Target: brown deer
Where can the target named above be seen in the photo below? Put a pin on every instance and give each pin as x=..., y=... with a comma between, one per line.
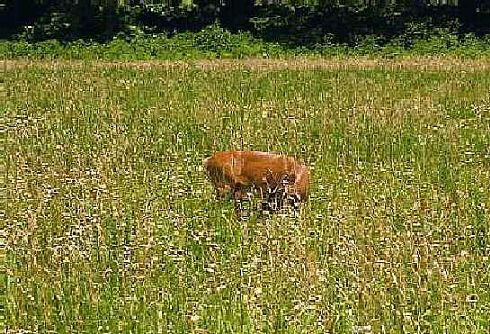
x=276, y=177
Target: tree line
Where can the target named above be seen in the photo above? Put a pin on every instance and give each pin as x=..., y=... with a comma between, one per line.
x=295, y=22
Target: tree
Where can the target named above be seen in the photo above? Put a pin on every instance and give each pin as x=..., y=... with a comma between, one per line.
x=236, y=14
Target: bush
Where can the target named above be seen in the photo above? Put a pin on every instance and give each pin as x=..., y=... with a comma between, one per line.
x=216, y=42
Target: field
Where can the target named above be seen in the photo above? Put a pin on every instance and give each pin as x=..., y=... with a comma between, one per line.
x=111, y=226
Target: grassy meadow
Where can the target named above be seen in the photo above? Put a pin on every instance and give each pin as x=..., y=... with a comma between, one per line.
x=111, y=226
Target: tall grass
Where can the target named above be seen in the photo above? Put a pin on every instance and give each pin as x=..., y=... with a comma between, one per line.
x=111, y=225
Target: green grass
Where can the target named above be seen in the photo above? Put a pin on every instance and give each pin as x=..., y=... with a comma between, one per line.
x=111, y=225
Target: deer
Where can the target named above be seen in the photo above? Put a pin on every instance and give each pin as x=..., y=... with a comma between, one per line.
x=277, y=178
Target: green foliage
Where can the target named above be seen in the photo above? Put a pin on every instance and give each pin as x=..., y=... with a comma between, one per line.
x=289, y=22
x=217, y=42
x=67, y=22
x=212, y=42
x=208, y=30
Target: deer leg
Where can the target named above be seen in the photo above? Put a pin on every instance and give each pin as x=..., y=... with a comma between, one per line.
x=294, y=200
x=237, y=197
x=240, y=195
x=279, y=194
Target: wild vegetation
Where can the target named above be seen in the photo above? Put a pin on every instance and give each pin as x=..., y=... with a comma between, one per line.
x=111, y=226
x=160, y=29
x=215, y=42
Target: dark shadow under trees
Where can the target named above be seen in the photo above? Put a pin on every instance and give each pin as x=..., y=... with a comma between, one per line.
x=306, y=26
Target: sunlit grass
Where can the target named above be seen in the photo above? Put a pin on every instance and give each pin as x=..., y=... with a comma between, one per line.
x=111, y=225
